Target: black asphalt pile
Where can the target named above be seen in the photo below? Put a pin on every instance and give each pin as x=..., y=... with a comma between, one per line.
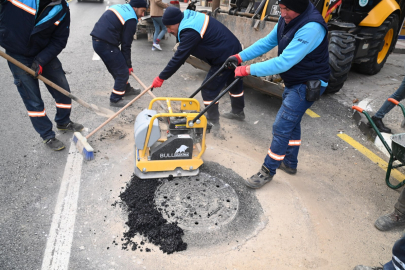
x=144, y=219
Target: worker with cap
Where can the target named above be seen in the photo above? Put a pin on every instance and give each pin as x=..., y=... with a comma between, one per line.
x=207, y=39
x=35, y=33
x=303, y=63
x=116, y=27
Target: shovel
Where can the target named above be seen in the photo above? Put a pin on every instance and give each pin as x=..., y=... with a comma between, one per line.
x=98, y=110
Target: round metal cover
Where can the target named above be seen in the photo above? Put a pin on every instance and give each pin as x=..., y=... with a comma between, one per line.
x=197, y=203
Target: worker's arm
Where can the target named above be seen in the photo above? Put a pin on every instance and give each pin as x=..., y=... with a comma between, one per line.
x=57, y=43
x=127, y=38
x=304, y=42
x=261, y=46
x=189, y=40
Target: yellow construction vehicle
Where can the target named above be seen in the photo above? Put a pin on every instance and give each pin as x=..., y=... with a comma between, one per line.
x=362, y=33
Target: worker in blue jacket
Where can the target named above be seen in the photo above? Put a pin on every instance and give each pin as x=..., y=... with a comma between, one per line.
x=116, y=27
x=209, y=40
x=303, y=63
x=34, y=33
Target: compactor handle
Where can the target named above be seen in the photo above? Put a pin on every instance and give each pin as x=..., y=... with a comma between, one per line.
x=357, y=108
x=396, y=102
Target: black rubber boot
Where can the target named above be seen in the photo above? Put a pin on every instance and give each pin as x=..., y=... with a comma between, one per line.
x=380, y=125
x=237, y=116
x=130, y=91
x=120, y=103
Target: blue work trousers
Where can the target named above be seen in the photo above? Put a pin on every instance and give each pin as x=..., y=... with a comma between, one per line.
x=28, y=87
x=287, y=128
x=214, y=87
x=160, y=29
x=398, y=256
x=115, y=62
x=387, y=106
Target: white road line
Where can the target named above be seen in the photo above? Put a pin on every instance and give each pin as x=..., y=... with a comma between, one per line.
x=58, y=246
x=96, y=57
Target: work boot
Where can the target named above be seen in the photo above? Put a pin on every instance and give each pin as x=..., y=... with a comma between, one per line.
x=74, y=127
x=130, y=91
x=260, y=179
x=362, y=267
x=120, y=103
x=54, y=144
x=390, y=221
x=238, y=116
x=380, y=125
x=287, y=169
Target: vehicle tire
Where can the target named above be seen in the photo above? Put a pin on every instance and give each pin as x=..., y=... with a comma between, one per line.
x=381, y=45
x=341, y=53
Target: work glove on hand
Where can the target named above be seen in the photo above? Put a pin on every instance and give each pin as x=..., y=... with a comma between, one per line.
x=37, y=68
x=233, y=61
x=241, y=71
x=130, y=70
x=157, y=82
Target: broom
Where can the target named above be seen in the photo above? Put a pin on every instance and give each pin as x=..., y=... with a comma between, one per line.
x=81, y=142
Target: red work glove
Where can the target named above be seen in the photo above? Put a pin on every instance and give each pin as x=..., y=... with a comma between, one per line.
x=37, y=68
x=130, y=70
x=241, y=71
x=157, y=82
x=233, y=61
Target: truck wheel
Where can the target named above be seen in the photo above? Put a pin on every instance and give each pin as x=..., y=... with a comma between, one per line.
x=381, y=45
x=341, y=52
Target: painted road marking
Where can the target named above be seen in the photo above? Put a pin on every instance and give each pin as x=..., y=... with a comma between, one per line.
x=312, y=113
x=373, y=157
x=59, y=243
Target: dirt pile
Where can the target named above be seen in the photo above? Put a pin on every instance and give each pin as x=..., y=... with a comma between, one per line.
x=145, y=219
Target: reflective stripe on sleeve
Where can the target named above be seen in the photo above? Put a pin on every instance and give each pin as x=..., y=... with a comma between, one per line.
x=294, y=143
x=118, y=92
x=275, y=156
x=37, y=114
x=205, y=25
x=237, y=95
x=63, y=106
x=118, y=15
x=23, y=6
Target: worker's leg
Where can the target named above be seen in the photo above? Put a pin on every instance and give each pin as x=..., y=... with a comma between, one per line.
x=211, y=91
x=116, y=65
x=285, y=126
x=237, y=94
x=54, y=72
x=398, y=256
x=28, y=88
x=291, y=155
x=400, y=205
x=387, y=106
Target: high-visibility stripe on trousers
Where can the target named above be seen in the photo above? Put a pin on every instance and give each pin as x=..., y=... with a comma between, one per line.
x=294, y=143
x=275, y=156
x=206, y=103
x=63, y=106
x=121, y=93
x=37, y=114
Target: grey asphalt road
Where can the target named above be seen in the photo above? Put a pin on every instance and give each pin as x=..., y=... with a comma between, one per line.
x=30, y=174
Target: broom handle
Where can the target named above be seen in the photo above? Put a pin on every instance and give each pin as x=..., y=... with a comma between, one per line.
x=150, y=92
x=45, y=80
x=117, y=113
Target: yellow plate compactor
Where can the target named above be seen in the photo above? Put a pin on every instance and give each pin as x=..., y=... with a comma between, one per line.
x=177, y=154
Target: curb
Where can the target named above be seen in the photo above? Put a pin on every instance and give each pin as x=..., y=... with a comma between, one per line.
x=361, y=122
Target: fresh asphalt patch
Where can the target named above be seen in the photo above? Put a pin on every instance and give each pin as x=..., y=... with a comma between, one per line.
x=221, y=219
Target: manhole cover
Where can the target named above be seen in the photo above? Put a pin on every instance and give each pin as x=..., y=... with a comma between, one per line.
x=197, y=203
